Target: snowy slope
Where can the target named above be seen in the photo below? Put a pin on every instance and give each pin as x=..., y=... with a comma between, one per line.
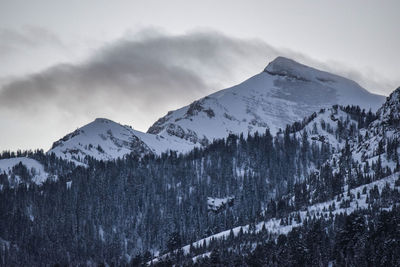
x=322, y=126
x=384, y=130
x=389, y=113
x=283, y=93
x=104, y=139
x=34, y=167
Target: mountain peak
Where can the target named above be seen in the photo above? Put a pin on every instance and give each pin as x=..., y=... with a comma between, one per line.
x=287, y=67
x=393, y=99
x=283, y=62
x=389, y=113
x=103, y=120
x=395, y=93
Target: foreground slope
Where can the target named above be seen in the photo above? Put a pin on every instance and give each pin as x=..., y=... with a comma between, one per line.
x=339, y=205
x=285, y=92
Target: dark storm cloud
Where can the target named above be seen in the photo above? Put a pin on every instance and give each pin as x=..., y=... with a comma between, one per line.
x=149, y=71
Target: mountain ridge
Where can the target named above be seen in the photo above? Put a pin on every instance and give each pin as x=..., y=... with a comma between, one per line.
x=284, y=92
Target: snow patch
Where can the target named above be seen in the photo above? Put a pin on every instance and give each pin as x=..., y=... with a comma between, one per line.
x=217, y=204
x=35, y=168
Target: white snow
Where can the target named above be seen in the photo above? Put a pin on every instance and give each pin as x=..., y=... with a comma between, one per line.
x=101, y=139
x=101, y=233
x=159, y=144
x=37, y=169
x=216, y=204
x=69, y=184
x=104, y=139
x=205, y=255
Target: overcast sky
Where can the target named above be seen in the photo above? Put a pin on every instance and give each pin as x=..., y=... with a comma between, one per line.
x=64, y=63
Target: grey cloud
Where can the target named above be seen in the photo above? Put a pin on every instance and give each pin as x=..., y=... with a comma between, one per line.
x=368, y=78
x=144, y=75
x=12, y=40
x=30, y=48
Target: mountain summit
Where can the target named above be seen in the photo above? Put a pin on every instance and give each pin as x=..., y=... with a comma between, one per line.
x=104, y=139
x=285, y=92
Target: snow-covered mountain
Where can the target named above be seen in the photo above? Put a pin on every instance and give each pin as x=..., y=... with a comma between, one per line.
x=104, y=139
x=285, y=92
